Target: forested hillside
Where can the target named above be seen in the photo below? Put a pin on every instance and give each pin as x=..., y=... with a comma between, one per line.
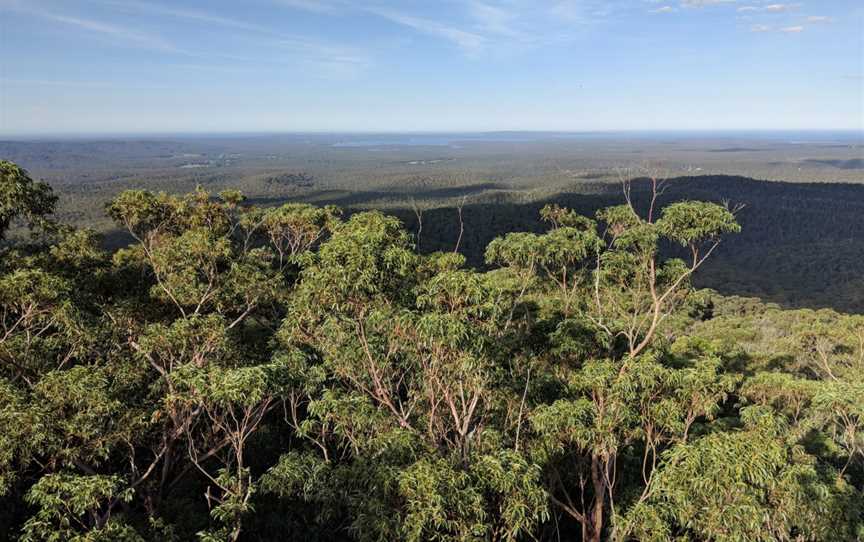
x=299, y=373
x=801, y=245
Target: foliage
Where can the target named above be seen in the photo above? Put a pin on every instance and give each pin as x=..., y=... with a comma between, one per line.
x=22, y=197
x=258, y=373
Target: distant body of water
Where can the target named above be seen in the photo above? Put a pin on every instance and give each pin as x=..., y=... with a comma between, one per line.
x=434, y=140
x=457, y=139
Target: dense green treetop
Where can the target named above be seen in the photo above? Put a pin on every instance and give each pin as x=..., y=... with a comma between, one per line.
x=22, y=197
x=282, y=373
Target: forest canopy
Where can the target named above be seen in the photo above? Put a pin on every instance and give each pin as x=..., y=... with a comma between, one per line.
x=279, y=373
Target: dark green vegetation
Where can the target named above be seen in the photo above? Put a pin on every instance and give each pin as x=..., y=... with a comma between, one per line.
x=289, y=373
x=801, y=246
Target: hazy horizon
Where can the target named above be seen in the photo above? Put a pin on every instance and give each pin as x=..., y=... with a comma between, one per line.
x=496, y=135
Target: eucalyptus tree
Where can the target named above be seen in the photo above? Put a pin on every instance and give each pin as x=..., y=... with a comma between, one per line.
x=396, y=354
x=613, y=403
x=218, y=272
x=790, y=466
x=820, y=393
x=743, y=485
x=399, y=390
x=23, y=198
x=61, y=418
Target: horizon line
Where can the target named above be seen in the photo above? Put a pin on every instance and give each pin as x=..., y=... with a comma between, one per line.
x=13, y=136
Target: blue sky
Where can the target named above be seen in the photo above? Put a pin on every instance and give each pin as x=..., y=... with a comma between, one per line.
x=135, y=66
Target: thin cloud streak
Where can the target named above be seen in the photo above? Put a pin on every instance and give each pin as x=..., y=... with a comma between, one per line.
x=191, y=15
x=315, y=6
x=780, y=8
x=118, y=33
x=770, y=8
x=469, y=42
x=489, y=26
x=705, y=3
x=325, y=58
x=331, y=58
x=82, y=84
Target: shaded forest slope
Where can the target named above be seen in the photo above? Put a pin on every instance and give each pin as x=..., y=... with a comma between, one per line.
x=802, y=245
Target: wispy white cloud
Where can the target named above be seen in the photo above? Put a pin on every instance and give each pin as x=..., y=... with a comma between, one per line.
x=705, y=3
x=780, y=8
x=263, y=45
x=770, y=8
x=319, y=58
x=528, y=22
x=480, y=27
x=580, y=11
x=470, y=42
x=81, y=84
x=187, y=14
x=761, y=15
x=524, y=23
x=495, y=19
x=318, y=6
x=329, y=59
x=117, y=33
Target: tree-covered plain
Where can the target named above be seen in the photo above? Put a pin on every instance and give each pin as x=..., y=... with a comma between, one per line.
x=291, y=372
x=803, y=232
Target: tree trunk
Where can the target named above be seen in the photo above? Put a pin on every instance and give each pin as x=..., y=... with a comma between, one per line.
x=598, y=480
